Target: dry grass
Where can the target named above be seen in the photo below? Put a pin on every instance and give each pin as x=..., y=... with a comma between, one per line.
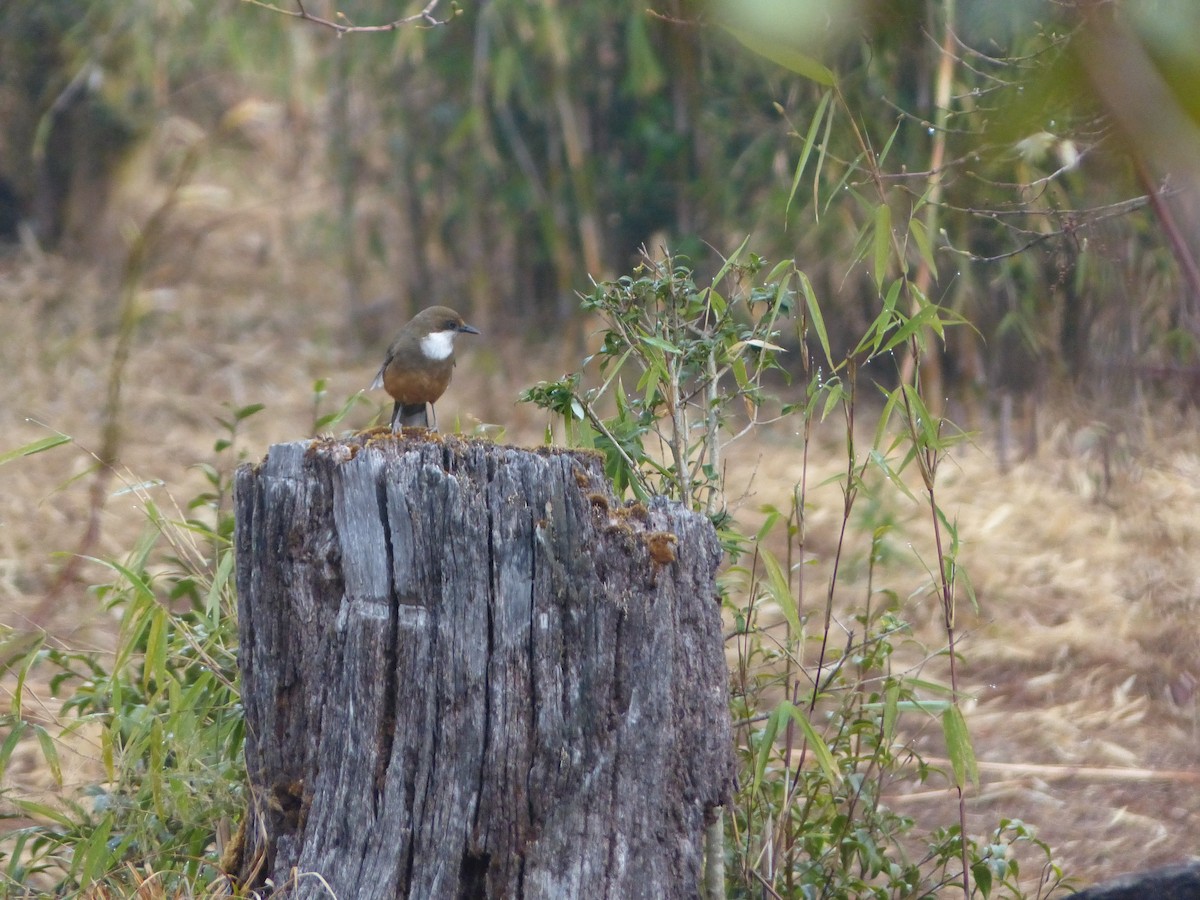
x=1084, y=654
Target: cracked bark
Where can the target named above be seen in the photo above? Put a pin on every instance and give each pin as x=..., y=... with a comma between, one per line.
x=467, y=672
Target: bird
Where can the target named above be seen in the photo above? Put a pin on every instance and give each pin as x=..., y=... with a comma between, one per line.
x=418, y=365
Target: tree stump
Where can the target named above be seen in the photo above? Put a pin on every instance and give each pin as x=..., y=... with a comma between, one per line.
x=1180, y=882
x=468, y=672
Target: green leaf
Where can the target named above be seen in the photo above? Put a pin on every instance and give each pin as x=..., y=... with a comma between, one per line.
x=982, y=873
x=893, y=294
x=155, y=664
x=783, y=55
x=22, y=649
x=658, y=343
x=882, y=243
x=17, y=647
x=835, y=393
x=780, y=591
x=810, y=140
x=912, y=327
x=772, y=515
x=965, y=579
x=766, y=743
x=740, y=376
x=49, y=753
x=212, y=603
x=958, y=748
x=16, y=730
x=891, y=711
x=880, y=461
x=849, y=170
x=93, y=857
x=818, y=746
x=140, y=586
x=729, y=263
x=821, y=165
x=883, y=154
x=815, y=317
x=46, y=443
x=42, y=811
x=921, y=238
x=645, y=72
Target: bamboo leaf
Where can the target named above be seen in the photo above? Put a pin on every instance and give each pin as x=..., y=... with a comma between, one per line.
x=212, y=603
x=885, y=418
x=815, y=317
x=140, y=586
x=921, y=238
x=821, y=165
x=93, y=857
x=39, y=446
x=810, y=140
x=659, y=343
x=154, y=666
x=891, y=711
x=834, y=394
x=882, y=243
x=925, y=316
x=783, y=55
x=818, y=746
x=883, y=154
x=49, y=753
x=880, y=462
x=15, y=733
x=959, y=749
x=779, y=589
x=731, y=261
x=42, y=811
x=766, y=743
x=893, y=294
x=27, y=648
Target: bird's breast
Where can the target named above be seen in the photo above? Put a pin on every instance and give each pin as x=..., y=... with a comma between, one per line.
x=417, y=381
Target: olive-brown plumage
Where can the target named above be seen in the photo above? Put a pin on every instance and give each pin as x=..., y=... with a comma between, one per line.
x=419, y=364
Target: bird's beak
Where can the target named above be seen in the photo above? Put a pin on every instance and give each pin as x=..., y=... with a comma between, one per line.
x=465, y=328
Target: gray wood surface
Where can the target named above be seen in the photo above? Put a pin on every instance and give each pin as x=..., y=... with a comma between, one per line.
x=467, y=672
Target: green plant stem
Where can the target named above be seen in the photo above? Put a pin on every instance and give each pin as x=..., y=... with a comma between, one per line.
x=854, y=474
x=946, y=586
x=597, y=423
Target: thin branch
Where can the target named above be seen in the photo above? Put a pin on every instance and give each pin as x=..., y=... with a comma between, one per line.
x=423, y=19
x=1062, y=772
x=1072, y=226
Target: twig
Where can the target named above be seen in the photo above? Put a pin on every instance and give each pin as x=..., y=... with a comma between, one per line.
x=1093, y=773
x=423, y=19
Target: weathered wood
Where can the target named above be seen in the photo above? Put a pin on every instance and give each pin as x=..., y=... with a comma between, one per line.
x=1181, y=882
x=468, y=673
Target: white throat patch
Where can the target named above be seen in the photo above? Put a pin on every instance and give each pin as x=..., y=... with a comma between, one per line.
x=438, y=344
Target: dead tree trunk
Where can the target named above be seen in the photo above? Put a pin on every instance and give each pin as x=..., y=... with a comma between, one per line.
x=467, y=672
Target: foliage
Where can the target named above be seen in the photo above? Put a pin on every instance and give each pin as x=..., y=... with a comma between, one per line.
x=163, y=710
x=820, y=726
x=694, y=353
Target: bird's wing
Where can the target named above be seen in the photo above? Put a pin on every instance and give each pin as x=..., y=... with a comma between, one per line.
x=378, y=382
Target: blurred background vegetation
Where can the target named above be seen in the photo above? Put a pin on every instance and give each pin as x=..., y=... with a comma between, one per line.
x=493, y=161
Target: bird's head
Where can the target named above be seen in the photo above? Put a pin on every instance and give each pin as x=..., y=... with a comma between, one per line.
x=436, y=329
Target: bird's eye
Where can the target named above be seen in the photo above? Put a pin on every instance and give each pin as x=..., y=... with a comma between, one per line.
x=451, y=325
